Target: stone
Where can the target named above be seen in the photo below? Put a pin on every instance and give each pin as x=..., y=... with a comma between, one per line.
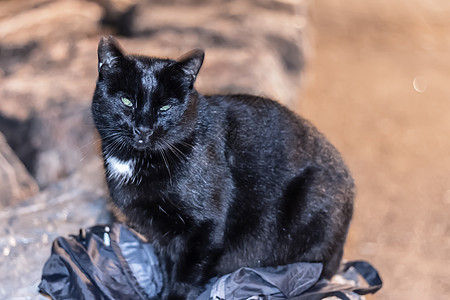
x=16, y=184
x=251, y=46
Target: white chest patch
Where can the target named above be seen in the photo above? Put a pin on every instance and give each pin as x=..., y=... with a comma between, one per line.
x=119, y=169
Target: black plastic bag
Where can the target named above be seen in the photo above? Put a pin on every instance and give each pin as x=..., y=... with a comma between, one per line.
x=114, y=262
x=103, y=262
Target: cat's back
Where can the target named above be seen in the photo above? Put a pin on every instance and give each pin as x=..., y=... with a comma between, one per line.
x=267, y=128
x=244, y=106
x=274, y=145
x=254, y=114
x=269, y=141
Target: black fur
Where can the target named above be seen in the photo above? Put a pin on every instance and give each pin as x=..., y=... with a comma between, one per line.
x=216, y=182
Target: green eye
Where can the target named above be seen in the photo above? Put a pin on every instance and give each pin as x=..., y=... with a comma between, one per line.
x=165, y=107
x=126, y=102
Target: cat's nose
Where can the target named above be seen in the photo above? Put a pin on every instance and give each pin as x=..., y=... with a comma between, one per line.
x=143, y=132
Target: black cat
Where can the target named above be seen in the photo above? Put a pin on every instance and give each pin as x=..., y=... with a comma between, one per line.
x=215, y=182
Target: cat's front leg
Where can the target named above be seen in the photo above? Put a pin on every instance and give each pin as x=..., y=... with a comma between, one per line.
x=191, y=273
x=193, y=267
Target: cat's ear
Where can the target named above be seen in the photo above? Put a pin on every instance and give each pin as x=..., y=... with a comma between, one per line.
x=191, y=62
x=109, y=53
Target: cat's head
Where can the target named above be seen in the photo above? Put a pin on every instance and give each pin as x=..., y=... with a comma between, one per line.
x=144, y=103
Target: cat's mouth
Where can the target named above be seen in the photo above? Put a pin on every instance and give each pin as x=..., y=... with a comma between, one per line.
x=146, y=145
x=142, y=144
x=142, y=139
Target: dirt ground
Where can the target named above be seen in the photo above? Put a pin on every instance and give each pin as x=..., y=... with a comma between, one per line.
x=378, y=85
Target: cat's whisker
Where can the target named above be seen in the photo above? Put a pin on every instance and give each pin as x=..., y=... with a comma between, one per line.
x=88, y=148
x=181, y=155
x=137, y=178
x=182, y=220
x=90, y=144
x=188, y=145
x=114, y=145
x=166, y=164
x=123, y=144
x=171, y=148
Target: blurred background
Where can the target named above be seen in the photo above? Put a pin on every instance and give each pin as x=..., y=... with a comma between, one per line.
x=372, y=75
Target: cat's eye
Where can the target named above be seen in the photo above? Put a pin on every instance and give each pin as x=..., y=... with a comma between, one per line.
x=126, y=102
x=165, y=107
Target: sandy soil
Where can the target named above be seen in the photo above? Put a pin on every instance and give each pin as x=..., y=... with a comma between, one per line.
x=377, y=84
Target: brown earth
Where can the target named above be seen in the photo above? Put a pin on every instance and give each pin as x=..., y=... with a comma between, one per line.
x=377, y=84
